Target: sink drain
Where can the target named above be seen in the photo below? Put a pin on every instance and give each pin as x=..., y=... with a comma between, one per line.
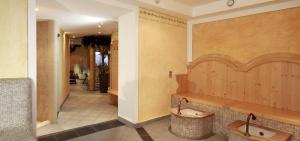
x=261, y=133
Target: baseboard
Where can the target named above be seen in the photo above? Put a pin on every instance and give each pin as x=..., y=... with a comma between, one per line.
x=127, y=123
x=64, y=101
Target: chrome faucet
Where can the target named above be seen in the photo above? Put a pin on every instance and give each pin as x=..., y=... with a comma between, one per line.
x=248, y=122
x=179, y=104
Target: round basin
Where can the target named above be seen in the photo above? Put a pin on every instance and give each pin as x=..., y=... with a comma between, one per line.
x=191, y=124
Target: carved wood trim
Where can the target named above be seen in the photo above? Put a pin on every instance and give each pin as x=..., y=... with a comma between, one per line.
x=245, y=67
x=218, y=58
x=161, y=18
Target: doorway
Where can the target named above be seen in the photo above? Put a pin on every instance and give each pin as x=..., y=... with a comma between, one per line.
x=67, y=69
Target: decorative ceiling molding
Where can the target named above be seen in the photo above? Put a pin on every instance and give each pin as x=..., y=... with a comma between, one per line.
x=161, y=18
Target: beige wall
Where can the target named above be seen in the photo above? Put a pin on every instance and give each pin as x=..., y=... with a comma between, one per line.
x=45, y=71
x=65, y=91
x=162, y=48
x=79, y=56
x=114, y=63
x=247, y=37
x=13, y=42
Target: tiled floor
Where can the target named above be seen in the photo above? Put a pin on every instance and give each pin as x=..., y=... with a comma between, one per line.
x=80, y=109
x=88, y=108
x=81, y=131
x=121, y=133
x=154, y=131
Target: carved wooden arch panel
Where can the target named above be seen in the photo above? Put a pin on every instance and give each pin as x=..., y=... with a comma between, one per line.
x=238, y=66
x=271, y=80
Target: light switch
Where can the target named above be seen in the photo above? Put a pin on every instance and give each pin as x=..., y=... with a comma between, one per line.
x=170, y=74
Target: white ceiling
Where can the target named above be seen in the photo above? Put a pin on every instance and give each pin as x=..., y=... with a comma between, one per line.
x=194, y=3
x=81, y=17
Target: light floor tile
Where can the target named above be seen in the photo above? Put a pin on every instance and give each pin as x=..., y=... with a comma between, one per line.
x=80, y=109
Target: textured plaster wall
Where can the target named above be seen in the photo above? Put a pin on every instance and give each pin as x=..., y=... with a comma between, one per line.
x=162, y=48
x=46, y=71
x=13, y=42
x=247, y=37
x=114, y=62
x=79, y=56
x=65, y=69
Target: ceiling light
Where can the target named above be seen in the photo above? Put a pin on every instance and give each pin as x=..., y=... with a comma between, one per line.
x=99, y=25
x=73, y=36
x=90, y=19
x=36, y=9
x=99, y=32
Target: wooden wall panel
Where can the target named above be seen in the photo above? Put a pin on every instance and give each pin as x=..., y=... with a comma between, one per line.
x=294, y=86
x=271, y=80
x=235, y=84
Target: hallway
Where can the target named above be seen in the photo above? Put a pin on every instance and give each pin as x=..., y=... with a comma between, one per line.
x=80, y=109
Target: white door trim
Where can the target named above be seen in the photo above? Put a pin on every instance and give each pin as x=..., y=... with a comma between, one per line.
x=32, y=56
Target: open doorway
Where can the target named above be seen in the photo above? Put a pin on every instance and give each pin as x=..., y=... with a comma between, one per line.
x=75, y=68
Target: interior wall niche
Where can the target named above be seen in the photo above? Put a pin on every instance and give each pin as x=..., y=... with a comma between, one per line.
x=271, y=80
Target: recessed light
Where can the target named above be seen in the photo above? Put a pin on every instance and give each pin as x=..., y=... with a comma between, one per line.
x=99, y=25
x=36, y=9
x=73, y=36
x=99, y=32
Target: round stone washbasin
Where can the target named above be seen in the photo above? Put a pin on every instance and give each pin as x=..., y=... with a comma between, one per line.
x=191, y=124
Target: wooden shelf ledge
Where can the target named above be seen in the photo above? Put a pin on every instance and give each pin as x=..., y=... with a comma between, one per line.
x=113, y=92
x=285, y=116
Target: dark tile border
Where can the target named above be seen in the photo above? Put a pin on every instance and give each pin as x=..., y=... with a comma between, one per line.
x=144, y=134
x=81, y=131
x=141, y=124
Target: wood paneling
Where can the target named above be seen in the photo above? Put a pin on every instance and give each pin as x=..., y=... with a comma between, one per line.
x=271, y=80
